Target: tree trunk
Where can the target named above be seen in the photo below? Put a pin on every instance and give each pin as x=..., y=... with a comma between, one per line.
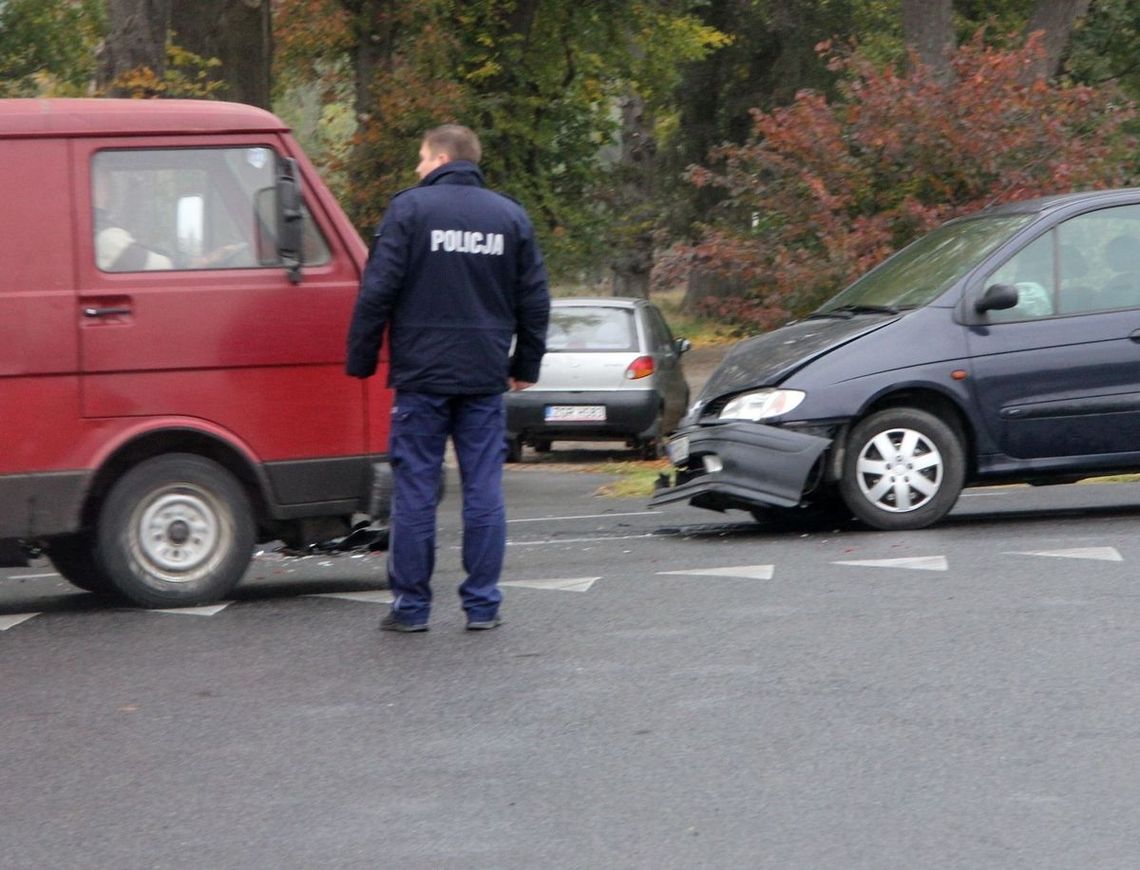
x=236, y=32
x=136, y=38
x=1056, y=18
x=704, y=284
x=633, y=255
x=928, y=30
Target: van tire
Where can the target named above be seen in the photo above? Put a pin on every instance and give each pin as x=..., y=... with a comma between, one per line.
x=73, y=556
x=175, y=530
x=926, y=467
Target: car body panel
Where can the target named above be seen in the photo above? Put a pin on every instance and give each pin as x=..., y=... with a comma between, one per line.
x=1034, y=394
x=99, y=369
x=758, y=464
x=590, y=347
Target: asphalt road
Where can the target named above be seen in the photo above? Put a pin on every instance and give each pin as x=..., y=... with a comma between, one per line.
x=673, y=689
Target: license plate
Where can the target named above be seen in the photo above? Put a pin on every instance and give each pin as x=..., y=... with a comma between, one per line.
x=678, y=450
x=575, y=414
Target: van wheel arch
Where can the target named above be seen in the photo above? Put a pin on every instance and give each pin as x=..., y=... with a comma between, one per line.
x=155, y=444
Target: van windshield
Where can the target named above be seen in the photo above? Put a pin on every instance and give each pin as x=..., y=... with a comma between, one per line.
x=921, y=271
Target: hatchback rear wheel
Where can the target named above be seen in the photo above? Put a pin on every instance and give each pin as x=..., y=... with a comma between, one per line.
x=904, y=469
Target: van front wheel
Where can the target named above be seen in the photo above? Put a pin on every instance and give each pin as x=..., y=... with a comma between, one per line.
x=73, y=557
x=175, y=530
x=903, y=469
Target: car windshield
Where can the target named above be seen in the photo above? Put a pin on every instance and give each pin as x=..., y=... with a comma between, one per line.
x=920, y=272
x=596, y=328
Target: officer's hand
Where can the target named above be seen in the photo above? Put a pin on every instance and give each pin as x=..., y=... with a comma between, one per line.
x=520, y=385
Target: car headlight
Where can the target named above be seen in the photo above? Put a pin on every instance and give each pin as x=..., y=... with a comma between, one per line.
x=761, y=405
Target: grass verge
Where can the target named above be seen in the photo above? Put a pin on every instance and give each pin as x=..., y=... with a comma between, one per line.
x=634, y=479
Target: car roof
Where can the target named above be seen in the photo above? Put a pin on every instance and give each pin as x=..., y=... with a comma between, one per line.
x=102, y=117
x=1043, y=204
x=599, y=302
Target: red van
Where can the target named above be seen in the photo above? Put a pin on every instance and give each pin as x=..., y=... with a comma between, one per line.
x=175, y=288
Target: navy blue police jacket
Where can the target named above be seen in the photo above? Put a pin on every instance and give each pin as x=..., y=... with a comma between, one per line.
x=454, y=274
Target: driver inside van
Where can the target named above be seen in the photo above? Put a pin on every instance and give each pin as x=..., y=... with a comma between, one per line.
x=116, y=249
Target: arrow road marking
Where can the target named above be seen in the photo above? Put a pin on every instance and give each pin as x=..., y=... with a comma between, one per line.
x=572, y=584
x=918, y=563
x=752, y=572
x=14, y=619
x=1104, y=554
x=204, y=610
x=378, y=596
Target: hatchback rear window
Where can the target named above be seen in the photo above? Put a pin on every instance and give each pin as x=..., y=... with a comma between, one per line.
x=591, y=329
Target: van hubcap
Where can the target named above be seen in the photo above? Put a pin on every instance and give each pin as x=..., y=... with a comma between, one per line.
x=178, y=531
x=899, y=470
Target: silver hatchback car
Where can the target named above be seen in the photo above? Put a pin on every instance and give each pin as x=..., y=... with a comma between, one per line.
x=612, y=371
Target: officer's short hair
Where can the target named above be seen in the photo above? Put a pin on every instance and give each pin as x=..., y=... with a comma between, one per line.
x=454, y=140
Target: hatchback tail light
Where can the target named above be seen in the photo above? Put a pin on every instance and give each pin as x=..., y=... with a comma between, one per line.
x=642, y=367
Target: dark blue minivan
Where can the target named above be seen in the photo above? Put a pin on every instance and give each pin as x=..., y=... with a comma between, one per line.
x=1000, y=347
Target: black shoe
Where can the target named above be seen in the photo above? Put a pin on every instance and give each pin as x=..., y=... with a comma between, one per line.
x=391, y=623
x=484, y=624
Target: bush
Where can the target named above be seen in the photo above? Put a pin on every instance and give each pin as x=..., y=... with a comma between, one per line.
x=823, y=190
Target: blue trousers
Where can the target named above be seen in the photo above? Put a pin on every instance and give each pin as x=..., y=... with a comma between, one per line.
x=421, y=424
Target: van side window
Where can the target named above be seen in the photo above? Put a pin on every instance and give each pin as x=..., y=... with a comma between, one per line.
x=189, y=208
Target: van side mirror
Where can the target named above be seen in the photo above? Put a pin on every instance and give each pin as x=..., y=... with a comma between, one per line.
x=998, y=297
x=681, y=345
x=289, y=218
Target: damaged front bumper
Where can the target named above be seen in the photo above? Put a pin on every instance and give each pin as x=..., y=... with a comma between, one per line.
x=742, y=465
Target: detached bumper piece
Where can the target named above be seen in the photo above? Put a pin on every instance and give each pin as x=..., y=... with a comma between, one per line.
x=740, y=465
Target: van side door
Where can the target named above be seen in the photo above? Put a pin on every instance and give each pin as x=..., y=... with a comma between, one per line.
x=186, y=313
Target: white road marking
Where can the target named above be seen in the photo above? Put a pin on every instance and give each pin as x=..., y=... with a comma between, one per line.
x=1104, y=554
x=579, y=540
x=583, y=517
x=204, y=610
x=917, y=563
x=572, y=584
x=14, y=619
x=751, y=572
x=33, y=576
x=377, y=596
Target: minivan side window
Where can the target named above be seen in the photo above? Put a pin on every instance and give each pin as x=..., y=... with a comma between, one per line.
x=1032, y=271
x=1089, y=263
x=1100, y=257
x=189, y=208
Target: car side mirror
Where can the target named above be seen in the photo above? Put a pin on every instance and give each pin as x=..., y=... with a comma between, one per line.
x=998, y=297
x=682, y=345
x=290, y=218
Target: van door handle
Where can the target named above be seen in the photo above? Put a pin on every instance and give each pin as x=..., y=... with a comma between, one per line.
x=1134, y=335
x=106, y=311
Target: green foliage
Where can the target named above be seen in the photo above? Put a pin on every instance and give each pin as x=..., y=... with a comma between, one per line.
x=47, y=47
x=825, y=188
x=187, y=76
x=1105, y=47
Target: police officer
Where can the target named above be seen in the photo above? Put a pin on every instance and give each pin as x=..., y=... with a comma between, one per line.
x=455, y=274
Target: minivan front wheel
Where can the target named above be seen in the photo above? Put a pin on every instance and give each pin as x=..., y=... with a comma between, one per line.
x=175, y=530
x=903, y=469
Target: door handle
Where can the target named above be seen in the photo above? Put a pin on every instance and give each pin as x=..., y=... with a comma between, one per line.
x=1134, y=335
x=106, y=310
